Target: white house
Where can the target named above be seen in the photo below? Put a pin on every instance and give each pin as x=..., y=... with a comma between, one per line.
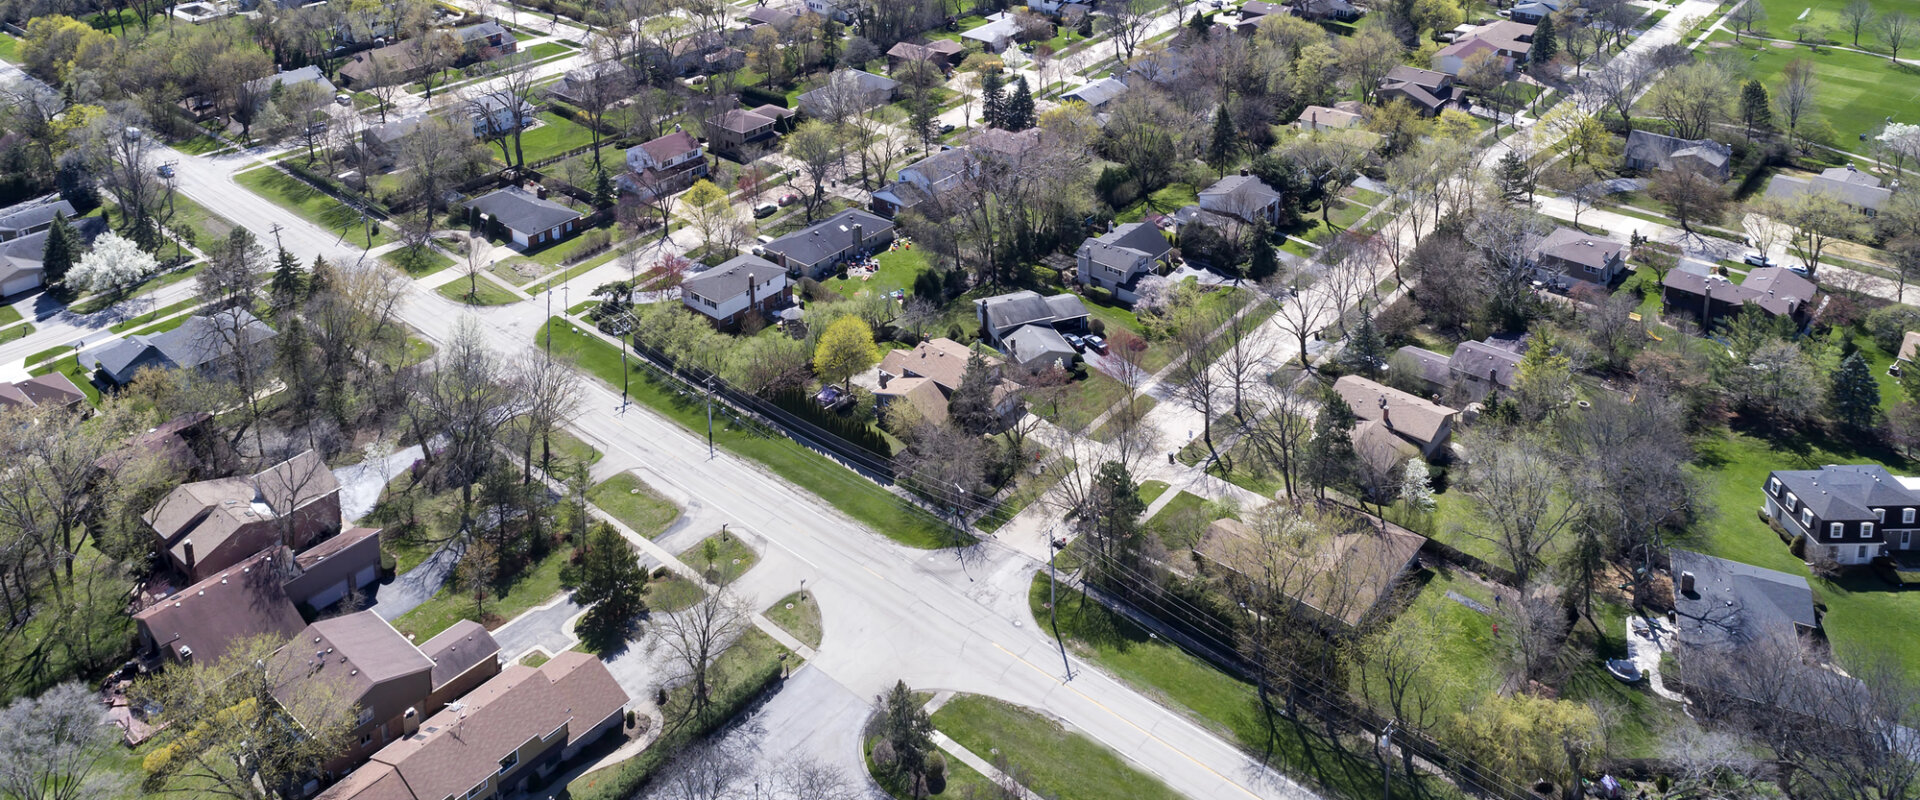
x=997, y=34
x=493, y=116
x=829, y=8
x=726, y=293
x=663, y=166
x=1242, y=197
x=1850, y=186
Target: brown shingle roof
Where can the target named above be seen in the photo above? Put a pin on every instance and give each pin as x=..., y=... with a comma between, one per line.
x=1413, y=417
x=943, y=360
x=585, y=689
x=1349, y=572
x=456, y=649
x=319, y=552
x=358, y=650
x=209, y=616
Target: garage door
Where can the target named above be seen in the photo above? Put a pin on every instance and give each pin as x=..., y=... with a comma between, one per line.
x=329, y=596
x=24, y=283
x=367, y=577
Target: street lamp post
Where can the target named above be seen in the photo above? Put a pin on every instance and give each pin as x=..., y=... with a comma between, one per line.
x=709, y=416
x=1053, y=602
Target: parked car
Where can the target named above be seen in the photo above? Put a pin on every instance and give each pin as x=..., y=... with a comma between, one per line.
x=765, y=210
x=1096, y=343
x=1759, y=260
x=1800, y=270
x=1079, y=344
x=166, y=170
x=946, y=128
x=343, y=99
x=789, y=199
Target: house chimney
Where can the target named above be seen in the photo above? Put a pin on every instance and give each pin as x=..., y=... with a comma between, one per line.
x=859, y=235
x=410, y=722
x=188, y=546
x=1686, y=583
x=1386, y=414
x=1244, y=172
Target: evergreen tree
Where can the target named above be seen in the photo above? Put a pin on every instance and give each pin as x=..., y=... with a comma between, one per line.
x=971, y=406
x=606, y=575
x=1514, y=178
x=287, y=280
x=1220, y=150
x=993, y=97
x=903, y=727
x=1019, y=113
x=1202, y=25
x=61, y=251
x=1264, y=263
x=1756, y=108
x=321, y=281
x=1545, y=377
x=1366, y=352
x=1111, y=521
x=1854, y=398
x=1330, y=457
x=1545, y=45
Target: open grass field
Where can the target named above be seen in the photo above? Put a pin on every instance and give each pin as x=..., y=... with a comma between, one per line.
x=1059, y=763
x=1782, y=14
x=627, y=498
x=855, y=496
x=310, y=203
x=1856, y=93
x=797, y=614
x=555, y=135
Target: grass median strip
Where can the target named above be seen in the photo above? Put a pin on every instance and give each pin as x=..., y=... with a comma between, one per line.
x=303, y=199
x=852, y=494
x=135, y=322
x=15, y=333
x=797, y=615
x=1057, y=762
x=627, y=498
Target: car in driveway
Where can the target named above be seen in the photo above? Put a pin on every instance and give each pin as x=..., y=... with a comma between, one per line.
x=1096, y=343
x=1079, y=344
x=1758, y=260
x=789, y=199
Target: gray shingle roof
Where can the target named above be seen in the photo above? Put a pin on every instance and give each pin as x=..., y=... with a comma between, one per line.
x=1139, y=236
x=1846, y=492
x=732, y=278
x=1733, y=604
x=197, y=341
x=1009, y=311
x=1483, y=361
x=1100, y=92
x=1431, y=366
x=829, y=237
x=1580, y=248
x=28, y=216
x=522, y=212
x=1038, y=343
x=1660, y=149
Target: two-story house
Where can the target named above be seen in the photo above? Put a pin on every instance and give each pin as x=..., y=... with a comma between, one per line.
x=1850, y=513
x=1773, y=291
x=598, y=80
x=1577, y=256
x=209, y=526
x=663, y=166
x=744, y=284
x=494, y=116
x=925, y=180
x=1117, y=259
x=487, y=40
x=730, y=133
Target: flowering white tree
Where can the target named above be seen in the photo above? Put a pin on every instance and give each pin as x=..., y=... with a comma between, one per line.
x=1902, y=141
x=114, y=264
x=1415, y=486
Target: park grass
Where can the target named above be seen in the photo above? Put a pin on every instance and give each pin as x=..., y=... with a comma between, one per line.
x=1782, y=14
x=722, y=557
x=1223, y=703
x=853, y=495
x=898, y=268
x=627, y=498
x=508, y=597
x=416, y=263
x=488, y=293
x=1058, y=763
x=1857, y=92
x=1083, y=402
x=1151, y=490
x=799, y=616
x=70, y=367
x=309, y=203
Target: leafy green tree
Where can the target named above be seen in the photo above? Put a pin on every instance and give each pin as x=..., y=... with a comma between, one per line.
x=1366, y=350
x=1019, y=113
x=1201, y=25
x=1110, y=522
x=905, y=739
x=1545, y=44
x=1330, y=458
x=846, y=347
x=1220, y=150
x=1854, y=398
x=1264, y=262
x=971, y=406
x=1756, y=108
x=606, y=575
x=63, y=243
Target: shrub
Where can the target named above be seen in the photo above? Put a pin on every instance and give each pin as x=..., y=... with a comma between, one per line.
x=762, y=96
x=1888, y=324
x=1798, y=548
x=1099, y=327
x=936, y=774
x=1100, y=295
x=883, y=756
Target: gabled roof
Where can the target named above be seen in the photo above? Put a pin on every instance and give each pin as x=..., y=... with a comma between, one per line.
x=1009, y=311
x=356, y=651
x=1505, y=34
x=1066, y=307
x=829, y=237
x=740, y=120
x=211, y=512
x=1776, y=290
x=33, y=214
x=294, y=77
x=670, y=146
x=1576, y=247
x=1423, y=78
x=1661, y=149
x=522, y=212
x=1098, y=93
x=1734, y=604
x=1349, y=572
x=1432, y=366
x=456, y=649
x=1323, y=117
x=1241, y=195
x=333, y=546
x=24, y=254
x=731, y=279
x=767, y=15
x=1124, y=259
x=1850, y=186
x=1908, y=343
x=51, y=389
x=1138, y=236
x=1034, y=342
x=1413, y=417
x=396, y=128
x=943, y=361
x=1485, y=362
x=484, y=30
x=208, y=617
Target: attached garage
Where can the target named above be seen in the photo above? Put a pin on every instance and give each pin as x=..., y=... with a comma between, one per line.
x=19, y=283
x=336, y=566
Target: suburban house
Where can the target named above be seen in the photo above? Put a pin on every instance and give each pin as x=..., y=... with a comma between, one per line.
x=997, y=35
x=1116, y=260
x=1850, y=513
x=1507, y=40
x=1357, y=568
x=1909, y=345
x=1316, y=10
x=742, y=285
x=1475, y=370
x=925, y=180
x=52, y=390
x=601, y=79
x=32, y=216
x=663, y=166
x=780, y=19
x=690, y=54
x=529, y=219
x=1648, y=151
x=204, y=341
x=382, y=141
x=848, y=92
x=494, y=116
x=263, y=87
x=1849, y=185
x=814, y=251
x=520, y=724
x=1242, y=197
x=1532, y=11
x=1774, y=291
x=292, y=503
x=830, y=9
x=487, y=40
x=395, y=63
x=22, y=259
x=202, y=621
x=942, y=53
x=1430, y=92
x=1321, y=118
x=1251, y=13
x=393, y=683
x=1027, y=327
x=730, y=132
x=336, y=567
x=1097, y=93
x=1724, y=606
x=1392, y=421
x=1580, y=256
x=926, y=377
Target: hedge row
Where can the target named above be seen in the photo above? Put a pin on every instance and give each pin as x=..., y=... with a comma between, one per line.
x=762, y=96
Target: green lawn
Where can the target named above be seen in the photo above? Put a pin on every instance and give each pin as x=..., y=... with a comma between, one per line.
x=1059, y=763
x=1028, y=488
x=43, y=355
x=488, y=294
x=1151, y=491
x=534, y=586
x=1223, y=703
x=851, y=494
x=962, y=781
x=1782, y=14
x=1165, y=201
x=1468, y=662
x=798, y=615
x=1108, y=429
x=416, y=263
x=672, y=593
x=9, y=48
x=15, y=333
x=556, y=135
x=721, y=557
x=1180, y=523
x=1856, y=93
x=70, y=367
x=627, y=498
x=310, y=203
x=897, y=270
x=135, y=322
x=200, y=144
x=1084, y=401
x=9, y=315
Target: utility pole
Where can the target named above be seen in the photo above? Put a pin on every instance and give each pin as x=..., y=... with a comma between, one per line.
x=1386, y=760
x=1053, y=602
x=275, y=230
x=709, y=417
x=549, y=322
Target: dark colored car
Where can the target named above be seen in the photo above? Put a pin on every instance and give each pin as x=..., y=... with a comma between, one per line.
x=764, y=211
x=1079, y=344
x=1096, y=343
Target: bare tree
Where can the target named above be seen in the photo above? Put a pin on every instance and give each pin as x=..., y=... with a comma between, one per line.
x=549, y=388
x=1896, y=29
x=1856, y=16
x=1523, y=499
x=1279, y=440
x=1127, y=22
x=1302, y=313
x=1795, y=98
x=1193, y=380
x=695, y=636
x=466, y=400
x=51, y=747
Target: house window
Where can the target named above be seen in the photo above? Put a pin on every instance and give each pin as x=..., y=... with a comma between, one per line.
x=366, y=739
x=366, y=716
x=1835, y=530
x=1906, y=516
x=1906, y=539
x=1793, y=501
x=1880, y=514
x=1773, y=486
x=1866, y=530
x=1806, y=518
x=1863, y=552
x=508, y=762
